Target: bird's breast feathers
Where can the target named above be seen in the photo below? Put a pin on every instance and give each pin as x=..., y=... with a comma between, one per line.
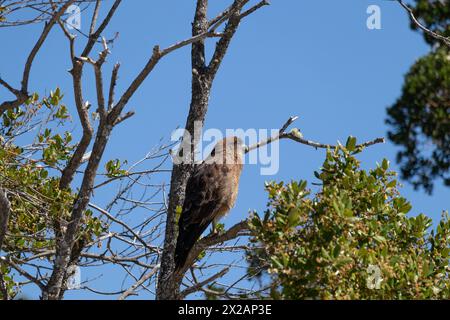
x=220, y=184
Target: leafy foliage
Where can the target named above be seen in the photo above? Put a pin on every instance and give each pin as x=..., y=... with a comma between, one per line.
x=420, y=121
x=39, y=208
x=114, y=169
x=434, y=15
x=328, y=245
x=420, y=118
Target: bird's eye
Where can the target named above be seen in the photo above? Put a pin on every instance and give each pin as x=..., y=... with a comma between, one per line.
x=213, y=152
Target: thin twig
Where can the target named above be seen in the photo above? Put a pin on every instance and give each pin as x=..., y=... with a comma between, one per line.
x=296, y=136
x=431, y=33
x=139, y=283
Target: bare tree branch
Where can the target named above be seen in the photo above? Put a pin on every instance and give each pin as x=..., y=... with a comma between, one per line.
x=254, y=8
x=22, y=272
x=211, y=240
x=296, y=136
x=94, y=17
x=93, y=37
x=200, y=285
x=130, y=291
x=31, y=11
x=444, y=40
x=22, y=94
x=136, y=236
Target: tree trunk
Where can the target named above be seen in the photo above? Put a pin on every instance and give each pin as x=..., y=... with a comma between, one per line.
x=169, y=284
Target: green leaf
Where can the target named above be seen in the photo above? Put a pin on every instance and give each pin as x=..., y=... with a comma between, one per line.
x=351, y=144
x=293, y=217
x=379, y=238
x=392, y=184
x=343, y=261
x=336, y=251
x=44, y=174
x=385, y=164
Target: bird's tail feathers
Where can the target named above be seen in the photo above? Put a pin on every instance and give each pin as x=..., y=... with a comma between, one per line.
x=187, y=237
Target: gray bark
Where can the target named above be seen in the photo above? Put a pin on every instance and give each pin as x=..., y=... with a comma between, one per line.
x=202, y=79
x=168, y=287
x=5, y=209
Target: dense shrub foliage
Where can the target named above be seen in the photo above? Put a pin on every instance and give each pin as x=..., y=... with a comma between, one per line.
x=352, y=239
x=29, y=176
x=420, y=118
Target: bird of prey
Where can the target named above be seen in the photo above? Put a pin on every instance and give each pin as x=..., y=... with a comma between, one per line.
x=211, y=192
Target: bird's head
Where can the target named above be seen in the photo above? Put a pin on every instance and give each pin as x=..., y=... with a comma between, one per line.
x=227, y=151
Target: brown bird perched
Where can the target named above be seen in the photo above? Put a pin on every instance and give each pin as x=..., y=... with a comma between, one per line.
x=211, y=192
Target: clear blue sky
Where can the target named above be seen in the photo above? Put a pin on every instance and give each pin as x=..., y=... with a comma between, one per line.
x=314, y=59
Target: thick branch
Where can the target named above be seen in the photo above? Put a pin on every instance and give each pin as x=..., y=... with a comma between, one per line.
x=223, y=44
x=93, y=37
x=112, y=86
x=254, y=8
x=88, y=131
x=211, y=240
x=94, y=17
x=5, y=210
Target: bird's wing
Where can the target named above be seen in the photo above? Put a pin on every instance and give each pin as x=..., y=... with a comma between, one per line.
x=201, y=204
x=202, y=199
